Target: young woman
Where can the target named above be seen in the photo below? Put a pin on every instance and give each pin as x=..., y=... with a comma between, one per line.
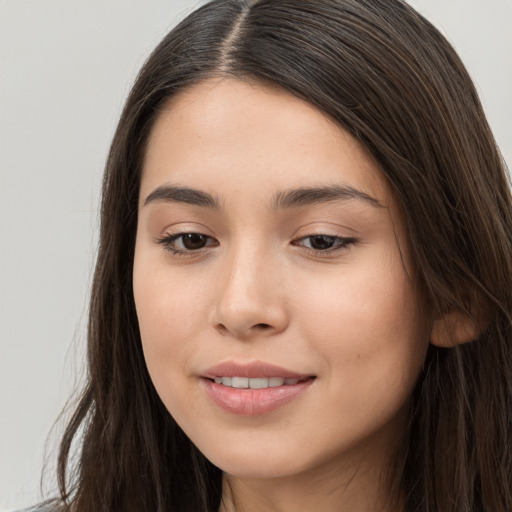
x=303, y=293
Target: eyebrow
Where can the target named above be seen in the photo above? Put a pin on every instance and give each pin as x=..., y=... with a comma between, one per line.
x=282, y=200
x=176, y=194
x=317, y=195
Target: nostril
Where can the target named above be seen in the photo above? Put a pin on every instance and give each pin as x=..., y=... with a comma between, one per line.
x=262, y=326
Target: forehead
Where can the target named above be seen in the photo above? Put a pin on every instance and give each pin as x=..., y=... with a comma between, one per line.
x=221, y=132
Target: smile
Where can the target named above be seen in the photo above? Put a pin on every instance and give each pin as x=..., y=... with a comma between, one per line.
x=253, y=388
x=256, y=382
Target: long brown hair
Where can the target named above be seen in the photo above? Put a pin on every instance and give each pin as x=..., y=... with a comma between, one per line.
x=387, y=76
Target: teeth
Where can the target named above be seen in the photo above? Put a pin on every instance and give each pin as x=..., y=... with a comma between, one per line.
x=258, y=383
x=255, y=383
x=239, y=382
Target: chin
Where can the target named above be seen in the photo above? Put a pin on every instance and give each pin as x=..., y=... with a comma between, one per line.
x=257, y=463
x=250, y=470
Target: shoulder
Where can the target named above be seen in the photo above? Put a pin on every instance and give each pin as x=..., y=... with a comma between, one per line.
x=39, y=508
x=32, y=509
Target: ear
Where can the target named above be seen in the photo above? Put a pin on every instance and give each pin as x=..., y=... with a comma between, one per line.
x=454, y=328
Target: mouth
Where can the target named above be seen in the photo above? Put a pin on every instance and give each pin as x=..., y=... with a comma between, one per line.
x=255, y=388
x=257, y=371
x=257, y=382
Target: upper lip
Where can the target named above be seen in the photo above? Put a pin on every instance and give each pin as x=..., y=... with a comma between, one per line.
x=252, y=369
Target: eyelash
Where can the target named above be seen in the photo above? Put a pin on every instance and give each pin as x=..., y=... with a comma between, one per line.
x=340, y=243
x=168, y=243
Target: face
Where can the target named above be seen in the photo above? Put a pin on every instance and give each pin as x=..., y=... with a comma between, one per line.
x=275, y=297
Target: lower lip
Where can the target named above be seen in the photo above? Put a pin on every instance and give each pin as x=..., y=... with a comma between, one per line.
x=253, y=402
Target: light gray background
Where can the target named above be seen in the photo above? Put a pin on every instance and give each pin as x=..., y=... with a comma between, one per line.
x=65, y=69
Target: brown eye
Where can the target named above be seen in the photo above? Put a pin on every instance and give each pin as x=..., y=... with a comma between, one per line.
x=324, y=243
x=193, y=241
x=321, y=242
x=186, y=243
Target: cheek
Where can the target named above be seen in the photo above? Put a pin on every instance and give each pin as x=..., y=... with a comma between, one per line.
x=165, y=313
x=170, y=312
x=365, y=326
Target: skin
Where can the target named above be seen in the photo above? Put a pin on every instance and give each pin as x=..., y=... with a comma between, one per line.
x=259, y=291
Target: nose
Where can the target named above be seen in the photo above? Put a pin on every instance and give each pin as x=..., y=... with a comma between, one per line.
x=250, y=300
